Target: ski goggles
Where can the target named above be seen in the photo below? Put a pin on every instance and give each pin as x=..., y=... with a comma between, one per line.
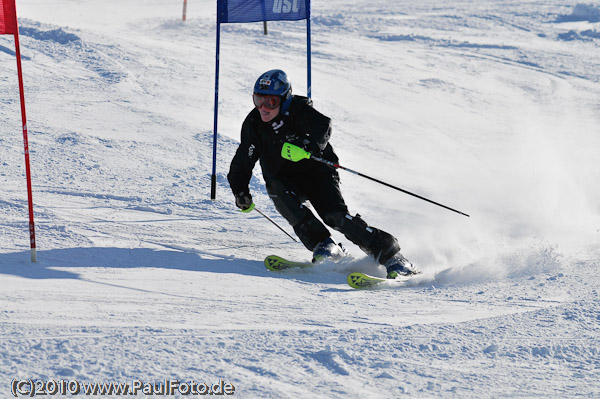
x=268, y=101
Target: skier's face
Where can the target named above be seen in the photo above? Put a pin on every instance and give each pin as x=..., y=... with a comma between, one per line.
x=268, y=114
x=268, y=106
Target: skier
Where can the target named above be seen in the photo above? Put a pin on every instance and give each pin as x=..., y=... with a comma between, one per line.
x=280, y=117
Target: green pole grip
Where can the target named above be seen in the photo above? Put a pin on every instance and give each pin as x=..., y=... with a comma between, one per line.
x=294, y=153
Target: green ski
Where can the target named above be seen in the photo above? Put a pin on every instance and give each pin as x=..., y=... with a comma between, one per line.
x=363, y=281
x=277, y=263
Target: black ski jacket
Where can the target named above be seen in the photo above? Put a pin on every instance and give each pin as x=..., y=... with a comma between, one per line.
x=302, y=125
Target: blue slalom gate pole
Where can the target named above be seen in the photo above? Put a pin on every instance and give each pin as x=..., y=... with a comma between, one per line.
x=309, y=82
x=213, y=179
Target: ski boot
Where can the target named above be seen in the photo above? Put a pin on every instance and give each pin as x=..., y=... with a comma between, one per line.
x=398, y=265
x=328, y=250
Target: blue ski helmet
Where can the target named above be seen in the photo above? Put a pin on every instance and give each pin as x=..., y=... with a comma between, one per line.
x=275, y=83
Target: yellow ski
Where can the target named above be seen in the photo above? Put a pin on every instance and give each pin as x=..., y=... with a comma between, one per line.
x=277, y=263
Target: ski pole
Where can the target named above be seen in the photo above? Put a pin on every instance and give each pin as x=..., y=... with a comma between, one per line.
x=252, y=207
x=295, y=154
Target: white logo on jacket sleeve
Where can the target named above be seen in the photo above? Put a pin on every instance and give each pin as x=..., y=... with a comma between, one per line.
x=251, y=150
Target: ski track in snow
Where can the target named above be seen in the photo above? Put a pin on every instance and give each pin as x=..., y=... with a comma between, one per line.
x=488, y=107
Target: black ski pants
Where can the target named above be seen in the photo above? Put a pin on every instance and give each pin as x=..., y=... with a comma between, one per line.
x=289, y=193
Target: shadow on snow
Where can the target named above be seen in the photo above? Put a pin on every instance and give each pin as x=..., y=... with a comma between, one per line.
x=18, y=264
x=54, y=264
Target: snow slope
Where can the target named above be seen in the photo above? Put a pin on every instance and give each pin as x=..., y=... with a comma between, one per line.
x=488, y=107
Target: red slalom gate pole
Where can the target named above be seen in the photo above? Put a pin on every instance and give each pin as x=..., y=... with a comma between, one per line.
x=26, y=148
x=184, y=9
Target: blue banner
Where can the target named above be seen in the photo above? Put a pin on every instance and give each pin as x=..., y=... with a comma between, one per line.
x=262, y=10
